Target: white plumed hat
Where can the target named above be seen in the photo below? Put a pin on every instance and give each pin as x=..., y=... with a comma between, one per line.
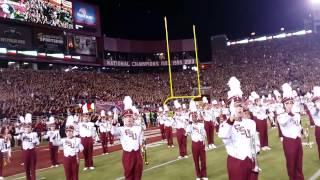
x=85, y=109
x=193, y=106
x=28, y=118
x=127, y=102
x=205, y=100
x=177, y=105
x=103, y=113
x=287, y=93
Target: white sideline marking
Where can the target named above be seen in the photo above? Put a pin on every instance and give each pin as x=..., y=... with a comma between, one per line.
x=155, y=144
x=166, y=163
x=315, y=175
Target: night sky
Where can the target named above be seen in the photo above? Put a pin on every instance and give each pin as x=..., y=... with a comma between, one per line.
x=143, y=19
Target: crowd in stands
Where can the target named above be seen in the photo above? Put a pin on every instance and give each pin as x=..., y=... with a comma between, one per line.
x=260, y=66
x=265, y=66
x=52, y=92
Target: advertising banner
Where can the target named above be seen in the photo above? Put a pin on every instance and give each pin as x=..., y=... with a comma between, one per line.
x=15, y=37
x=84, y=45
x=49, y=41
x=116, y=63
x=84, y=14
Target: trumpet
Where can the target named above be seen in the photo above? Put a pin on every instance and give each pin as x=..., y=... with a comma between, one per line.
x=306, y=136
x=256, y=167
x=144, y=153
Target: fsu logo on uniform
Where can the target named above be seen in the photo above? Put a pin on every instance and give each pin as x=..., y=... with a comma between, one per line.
x=26, y=138
x=242, y=130
x=130, y=134
x=69, y=143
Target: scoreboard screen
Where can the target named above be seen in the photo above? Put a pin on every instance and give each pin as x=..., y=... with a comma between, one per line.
x=57, y=13
x=64, y=14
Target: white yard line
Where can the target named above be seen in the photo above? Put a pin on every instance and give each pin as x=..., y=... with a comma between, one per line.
x=155, y=144
x=315, y=176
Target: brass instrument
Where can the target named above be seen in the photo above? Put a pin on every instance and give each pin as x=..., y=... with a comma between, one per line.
x=307, y=137
x=254, y=154
x=144, y=153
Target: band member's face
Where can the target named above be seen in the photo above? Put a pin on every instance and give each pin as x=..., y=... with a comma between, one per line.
x=28, y=129
x=86, y=118
x=194, y=118
x=288, y=106
x=69, y=133
x=246, y=114
x=52, y=127
x=238, y=110
x=128, y=121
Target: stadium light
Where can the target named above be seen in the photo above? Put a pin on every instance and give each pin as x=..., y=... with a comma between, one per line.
x=309, y=31
x=60, y=56
x=184, y=67
x=42, y=54
x=28, y=53
x=3, y=50
x=76, y=57
x=244, y=41
x=282, y=29
x=253, y=33
x=299, y=33
x=261, y=38
x=315, y=2
x=67, y=57
x=279, y=36
x=11, y=52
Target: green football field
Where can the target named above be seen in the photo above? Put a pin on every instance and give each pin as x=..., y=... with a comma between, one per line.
x=164, y=164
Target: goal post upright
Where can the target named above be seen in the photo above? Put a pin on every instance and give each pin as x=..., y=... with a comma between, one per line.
x=172, y=96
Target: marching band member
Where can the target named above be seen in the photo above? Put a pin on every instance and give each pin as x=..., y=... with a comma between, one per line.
x=279, y=110
x=29, y=142
x=76, y=119
x=308, y=105
x=131, y=138
x=103, y=126
x=315, y=113
x=168, y=125
x=19, y=129
x=209, y=121
x=161, y=123
x=239, y=136
x=271, y=111
x=5, y=149
x=259, y=113
x=181, y=124
x=71, y=151
x=290, y=126
x=87, y=133
x=54, y=138
x=223, y=114
x=198, y=136
x=110, y=122
x=216, y=113
x=138, y=121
